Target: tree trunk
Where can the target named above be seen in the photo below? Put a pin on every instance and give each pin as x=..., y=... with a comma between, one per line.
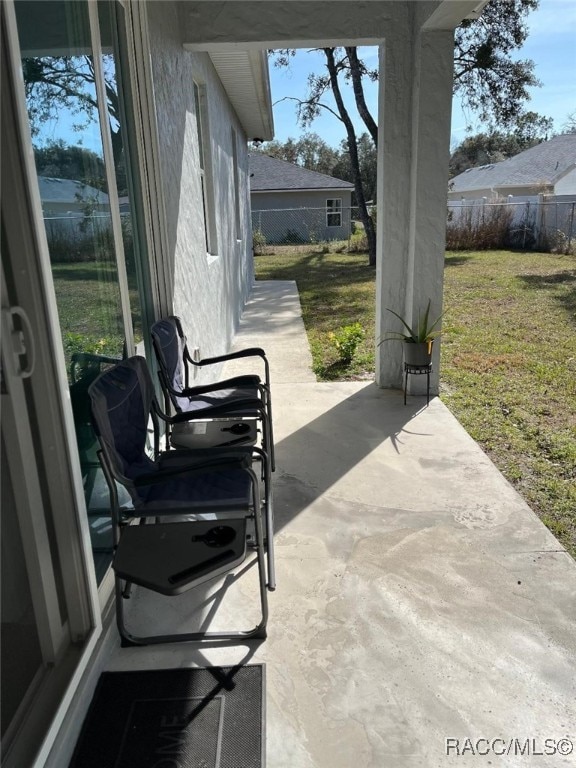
x=354, y=163
x=363, y=111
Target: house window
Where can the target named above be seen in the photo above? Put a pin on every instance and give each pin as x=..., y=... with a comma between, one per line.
x=205, y=168
x=334, y=212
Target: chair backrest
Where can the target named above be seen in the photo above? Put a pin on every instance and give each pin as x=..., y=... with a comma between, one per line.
x=122, y=400
x=169, y=346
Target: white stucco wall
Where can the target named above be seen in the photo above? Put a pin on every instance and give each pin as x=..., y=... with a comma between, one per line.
x=209, y=290
x=413, y=150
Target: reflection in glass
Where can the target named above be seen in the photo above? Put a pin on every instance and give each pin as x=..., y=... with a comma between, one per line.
x=63, y=111
x=111, y=17
x=61, y=96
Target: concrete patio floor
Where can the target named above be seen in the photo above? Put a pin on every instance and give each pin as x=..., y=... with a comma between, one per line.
x=419, y=598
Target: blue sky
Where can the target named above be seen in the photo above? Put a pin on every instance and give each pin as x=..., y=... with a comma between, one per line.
x=551, y=44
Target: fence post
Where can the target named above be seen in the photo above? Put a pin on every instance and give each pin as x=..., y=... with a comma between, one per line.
x=542, y=226
x=570, y=227
x=525, y=227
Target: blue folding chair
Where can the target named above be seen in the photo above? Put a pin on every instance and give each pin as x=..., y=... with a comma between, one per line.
x=173, y=492
x=221, y=400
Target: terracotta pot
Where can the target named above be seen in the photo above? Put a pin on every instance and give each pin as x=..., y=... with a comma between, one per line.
x=417, y=354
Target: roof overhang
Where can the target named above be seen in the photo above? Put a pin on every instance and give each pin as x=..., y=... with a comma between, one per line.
x=215, y=25
x=237, y=35
x=450, y=13
x=244, y=75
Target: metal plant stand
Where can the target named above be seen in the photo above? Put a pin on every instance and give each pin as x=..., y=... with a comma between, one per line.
x=417, y=370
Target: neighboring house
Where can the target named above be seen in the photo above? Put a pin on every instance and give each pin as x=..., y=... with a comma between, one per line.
x=192, y=90
x=291, y=204
x=66, y=196
x=68, y=206
x=537, y=188
x=548, y=168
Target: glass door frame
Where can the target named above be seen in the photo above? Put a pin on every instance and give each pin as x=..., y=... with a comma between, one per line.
x=84, y=600
x=52, y=415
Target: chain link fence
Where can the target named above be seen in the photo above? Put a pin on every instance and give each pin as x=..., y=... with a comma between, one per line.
x=307, y=226
x=75, y=237
x=542, y=223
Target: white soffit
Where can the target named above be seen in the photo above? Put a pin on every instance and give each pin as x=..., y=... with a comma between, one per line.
x=244, y=75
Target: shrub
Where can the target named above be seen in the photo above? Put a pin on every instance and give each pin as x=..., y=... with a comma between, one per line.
x=258, y=242
x=346, y=340
x=291, y=237
x=358, y=242
x=556, y=241
x=479, y=227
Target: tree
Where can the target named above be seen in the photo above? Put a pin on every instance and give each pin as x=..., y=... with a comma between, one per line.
x=309, y=109
x=309, y=151
x=367, y=158
x=67, y=83
x=570, y=124
x=70, y=162
x=486, y=77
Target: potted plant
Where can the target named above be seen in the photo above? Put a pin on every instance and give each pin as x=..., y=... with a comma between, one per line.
x=417, y=340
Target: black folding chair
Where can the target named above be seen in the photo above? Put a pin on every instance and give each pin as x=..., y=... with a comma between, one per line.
x=221, y=400
x=172, y=491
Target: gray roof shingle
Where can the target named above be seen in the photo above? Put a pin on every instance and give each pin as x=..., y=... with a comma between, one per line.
x=54, y=190
x=543, y=164
x=270, y=174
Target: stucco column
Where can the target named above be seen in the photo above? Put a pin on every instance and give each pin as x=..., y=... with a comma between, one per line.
x=415, y=99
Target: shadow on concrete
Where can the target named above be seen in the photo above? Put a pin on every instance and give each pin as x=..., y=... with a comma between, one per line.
x=323, y=449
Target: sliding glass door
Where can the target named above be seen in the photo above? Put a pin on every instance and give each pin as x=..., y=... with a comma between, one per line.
x=75, y=298
x=78, y=110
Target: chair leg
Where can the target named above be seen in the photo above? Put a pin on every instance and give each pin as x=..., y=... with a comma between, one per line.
x=270, y=538
x=257, y=632
x=271, y=430
x=405, y=384
x=269, y=517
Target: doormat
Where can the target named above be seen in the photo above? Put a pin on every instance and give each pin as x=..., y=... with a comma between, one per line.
x=175, y=718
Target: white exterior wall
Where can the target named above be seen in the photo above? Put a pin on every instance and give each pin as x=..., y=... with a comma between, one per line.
x=285, y=214
x=567, y=184
x=208, y=290
x=416, y=92
x=475, y=194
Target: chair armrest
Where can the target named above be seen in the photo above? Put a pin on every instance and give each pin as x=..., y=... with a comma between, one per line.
x=237, y=381
x=243, y=353
x=248, y=352
x=213, y=411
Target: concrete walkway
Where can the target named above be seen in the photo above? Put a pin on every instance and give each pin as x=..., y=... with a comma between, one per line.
x=419, y=599
x=272, y=320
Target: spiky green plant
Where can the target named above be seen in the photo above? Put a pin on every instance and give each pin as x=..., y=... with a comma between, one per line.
x=422, y=333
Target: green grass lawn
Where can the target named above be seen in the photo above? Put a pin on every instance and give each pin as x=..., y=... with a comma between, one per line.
x=336, y=289
x=508, y=364
x=88, y=299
